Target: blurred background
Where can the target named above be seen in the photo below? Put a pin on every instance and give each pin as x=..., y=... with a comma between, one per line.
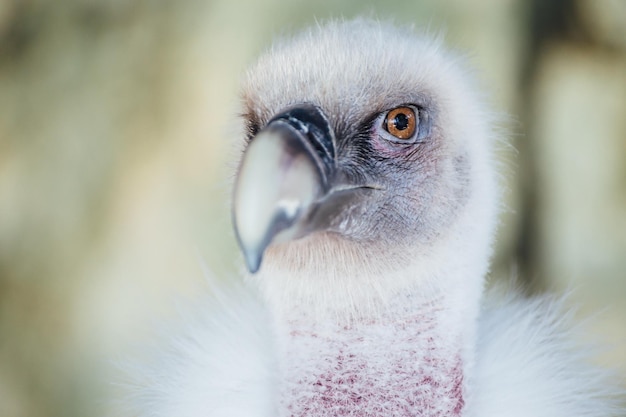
x=116, y=149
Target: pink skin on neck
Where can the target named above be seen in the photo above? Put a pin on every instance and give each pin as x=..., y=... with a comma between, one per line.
x=374, y=369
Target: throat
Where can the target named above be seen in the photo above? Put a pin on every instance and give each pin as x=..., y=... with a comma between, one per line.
x=369, y=338
x=392, y=365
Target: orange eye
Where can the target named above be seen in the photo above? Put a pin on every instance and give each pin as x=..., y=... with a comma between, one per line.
x=401, y=122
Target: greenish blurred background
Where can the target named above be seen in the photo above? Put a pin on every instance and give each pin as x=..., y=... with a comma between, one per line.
x=116, y=149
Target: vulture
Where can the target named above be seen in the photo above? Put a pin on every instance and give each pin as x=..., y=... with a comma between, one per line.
x=365, y=204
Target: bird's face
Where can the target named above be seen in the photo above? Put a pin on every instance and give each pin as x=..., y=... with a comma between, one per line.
x=358, y=132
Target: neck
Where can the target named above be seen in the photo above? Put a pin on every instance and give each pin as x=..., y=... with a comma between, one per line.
x=394, y=365
x=399, y=352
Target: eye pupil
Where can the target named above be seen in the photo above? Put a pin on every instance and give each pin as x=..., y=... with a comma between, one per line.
x=401, y=121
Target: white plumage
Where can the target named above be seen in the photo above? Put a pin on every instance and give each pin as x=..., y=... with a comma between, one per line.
x=367, y=197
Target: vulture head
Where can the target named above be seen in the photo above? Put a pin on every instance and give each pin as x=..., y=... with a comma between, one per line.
x=366, y=168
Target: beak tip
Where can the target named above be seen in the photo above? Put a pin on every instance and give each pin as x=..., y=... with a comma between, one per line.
x=251, y=249
x=253, y=260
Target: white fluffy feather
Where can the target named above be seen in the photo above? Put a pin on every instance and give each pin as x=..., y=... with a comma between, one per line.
x=530, y=362
x=219, y=361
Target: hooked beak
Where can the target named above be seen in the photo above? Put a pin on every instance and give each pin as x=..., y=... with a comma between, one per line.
x=285, y=171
